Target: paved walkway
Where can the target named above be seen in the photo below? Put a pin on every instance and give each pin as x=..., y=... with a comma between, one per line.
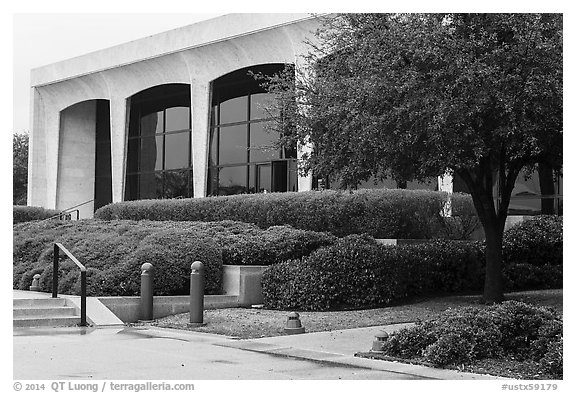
x=168, y=354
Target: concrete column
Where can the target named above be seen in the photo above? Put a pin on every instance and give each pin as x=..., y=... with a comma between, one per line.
x=446, y=184
x=200, y=97
x=118, y=145
x=52, y=146
x=36, y=152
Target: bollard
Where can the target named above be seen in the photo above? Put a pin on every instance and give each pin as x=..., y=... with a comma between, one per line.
x=35, y=283
x=381, y=338
x=146, y=292
x=293, y=324
x=197, y=294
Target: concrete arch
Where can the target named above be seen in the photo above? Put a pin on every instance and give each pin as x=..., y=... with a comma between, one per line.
x=80, y=126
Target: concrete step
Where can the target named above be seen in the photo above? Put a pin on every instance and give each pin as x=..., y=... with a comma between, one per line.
x=41, y=312
x=38, y=303
x=47, y=322
x=44, y=312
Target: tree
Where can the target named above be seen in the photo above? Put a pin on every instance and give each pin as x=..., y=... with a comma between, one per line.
x=410, y=96
x=19, y=168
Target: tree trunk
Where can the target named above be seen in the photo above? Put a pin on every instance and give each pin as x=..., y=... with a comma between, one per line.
x=494, y=282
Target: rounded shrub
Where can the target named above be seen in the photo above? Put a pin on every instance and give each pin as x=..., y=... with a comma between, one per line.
x=171, y=253
x=553, y=362
x=461, y=336
x=537, y=241
x=356, y=271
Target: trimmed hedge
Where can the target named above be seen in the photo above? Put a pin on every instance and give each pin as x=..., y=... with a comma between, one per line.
x=357, y=272
x=383, y=213
x=31, y=213
x=461, y=336
x=113, y=252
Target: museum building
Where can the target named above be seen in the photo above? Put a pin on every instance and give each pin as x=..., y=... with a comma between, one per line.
x=179, y=115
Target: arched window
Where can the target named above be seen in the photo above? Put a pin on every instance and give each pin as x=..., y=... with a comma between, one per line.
x=159, y=144
x=244, y=156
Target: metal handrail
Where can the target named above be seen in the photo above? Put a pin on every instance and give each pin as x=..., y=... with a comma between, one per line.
x=57, y=248
x=69, y=210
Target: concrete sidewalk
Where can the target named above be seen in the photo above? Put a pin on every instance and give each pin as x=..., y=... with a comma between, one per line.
x=149, y=353
x=166, y=354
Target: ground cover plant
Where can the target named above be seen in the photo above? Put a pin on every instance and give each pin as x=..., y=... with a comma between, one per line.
x=356, y=271
x=113, y=252
x=512, y=331
x=382, y=213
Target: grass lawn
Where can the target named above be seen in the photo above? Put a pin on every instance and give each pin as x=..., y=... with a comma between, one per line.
x=248, y=323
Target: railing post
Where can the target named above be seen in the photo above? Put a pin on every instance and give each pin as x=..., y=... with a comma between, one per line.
x=197, y=293
x=147, y=292
x=83, y=298
x=55, y=272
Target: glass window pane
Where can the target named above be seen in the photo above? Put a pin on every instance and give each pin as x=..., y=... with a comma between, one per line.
x=262, y=106
x=212, y=181
x=150, y=185
x=177, y=118
x=151, y=124
x=292, y=176
x=176, y=184
x=264, y=178
x=232, y=180
x=526, y=186
x=131, y=189
x=262, y=143
x=233, y=149
x=430, y=184
x=213, y=152
x=252, y=178
x=150, y=154
x=234, y=110
x=177, y=150
x=132, y=161
x=524, y=206
x=214, y=116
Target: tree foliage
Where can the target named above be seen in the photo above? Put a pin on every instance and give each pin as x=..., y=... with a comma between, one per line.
x=410, y=96
x=19, y=168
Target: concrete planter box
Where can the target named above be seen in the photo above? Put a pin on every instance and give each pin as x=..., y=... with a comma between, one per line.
x=244, y=282
x=401, y=242
x=127, y=308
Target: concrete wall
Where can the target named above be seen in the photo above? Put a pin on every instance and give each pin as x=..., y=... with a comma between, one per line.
x=127, y=309
x=244, y=282
x=196, y=55
x=77, y=155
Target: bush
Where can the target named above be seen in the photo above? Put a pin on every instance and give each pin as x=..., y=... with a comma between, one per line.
x=532, y=254
x=537, y=241
x=171, y=252
x=113, y=251
x=31, y=213
x=464, y=335
x=382, y=213
x=356, y=271
x=523, y=276
x=552, y=362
